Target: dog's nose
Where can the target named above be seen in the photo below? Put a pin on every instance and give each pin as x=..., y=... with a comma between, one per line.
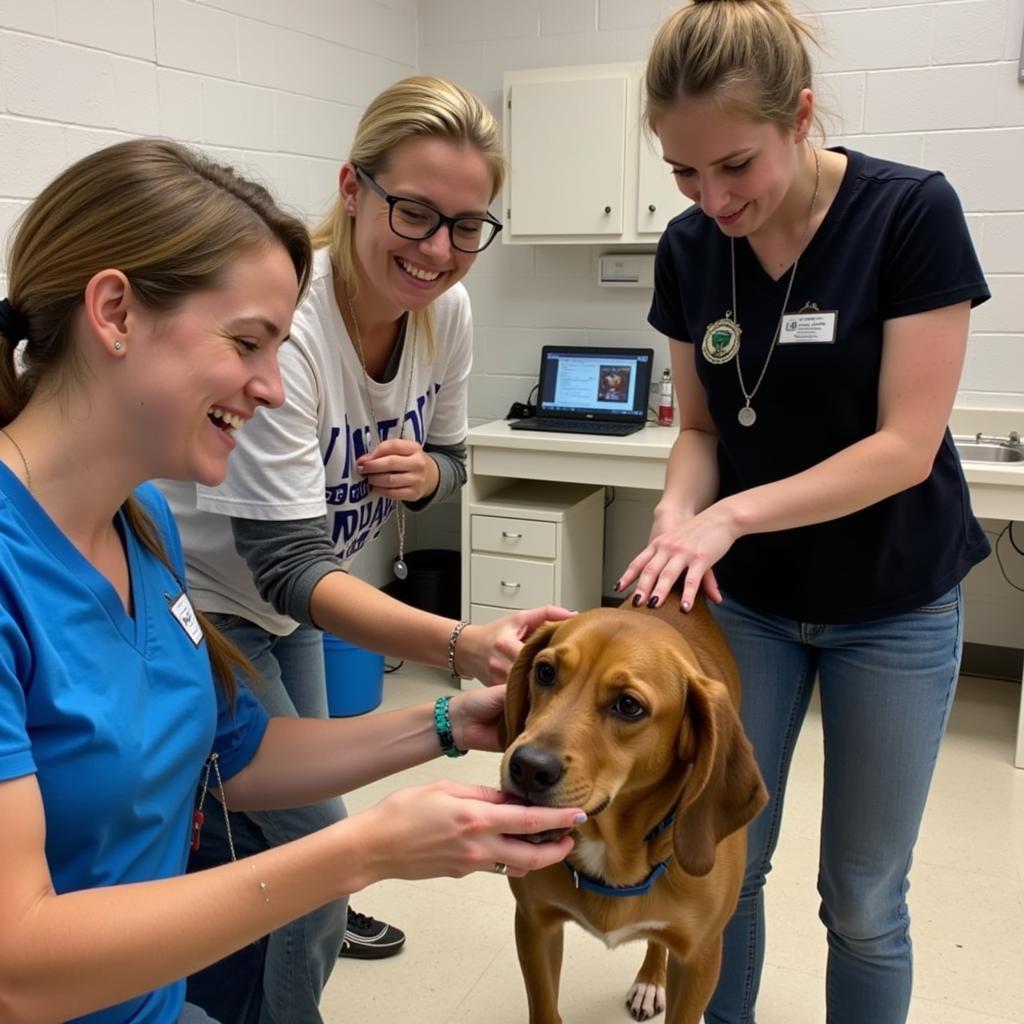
x=534, y=769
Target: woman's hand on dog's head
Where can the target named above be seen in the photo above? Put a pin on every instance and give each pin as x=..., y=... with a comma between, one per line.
x=486, y=652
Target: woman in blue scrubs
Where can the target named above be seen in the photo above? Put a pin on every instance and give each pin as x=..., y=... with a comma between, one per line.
x=150, y=290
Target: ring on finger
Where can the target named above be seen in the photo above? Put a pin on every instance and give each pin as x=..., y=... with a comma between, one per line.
x=499, y=868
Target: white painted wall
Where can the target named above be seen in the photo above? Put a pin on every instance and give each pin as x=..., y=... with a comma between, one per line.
x=276, y=86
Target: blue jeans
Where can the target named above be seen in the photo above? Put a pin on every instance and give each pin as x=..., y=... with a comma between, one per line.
x=886, y=691
x=301, y=955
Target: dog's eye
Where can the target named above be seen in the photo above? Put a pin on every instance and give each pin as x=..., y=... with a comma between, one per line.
x=544, y=673
x=628, y=707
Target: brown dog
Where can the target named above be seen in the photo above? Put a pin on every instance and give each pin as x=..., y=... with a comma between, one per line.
x=632, y=715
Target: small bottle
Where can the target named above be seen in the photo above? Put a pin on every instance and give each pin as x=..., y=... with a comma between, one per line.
x=665, y=400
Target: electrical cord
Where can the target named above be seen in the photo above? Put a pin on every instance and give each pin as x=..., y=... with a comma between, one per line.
x=1006, y=531
x=523, y=410
x=1016, y=546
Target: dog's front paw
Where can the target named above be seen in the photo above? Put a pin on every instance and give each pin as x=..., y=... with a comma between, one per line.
x=645, y=1001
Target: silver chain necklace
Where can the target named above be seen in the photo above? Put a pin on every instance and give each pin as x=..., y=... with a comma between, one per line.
x=21, y=455
x=399, y=567
x=747, y=416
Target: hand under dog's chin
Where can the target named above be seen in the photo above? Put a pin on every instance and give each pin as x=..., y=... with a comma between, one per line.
x=550, y=835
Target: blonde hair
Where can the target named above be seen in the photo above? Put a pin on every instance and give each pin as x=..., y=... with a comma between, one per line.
x=172, y=222
x=748, y=55
x=418, y=107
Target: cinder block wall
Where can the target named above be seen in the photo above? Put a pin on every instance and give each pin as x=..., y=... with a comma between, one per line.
x=274, y=87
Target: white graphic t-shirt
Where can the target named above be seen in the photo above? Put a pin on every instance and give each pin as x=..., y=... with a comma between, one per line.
x=299, y=461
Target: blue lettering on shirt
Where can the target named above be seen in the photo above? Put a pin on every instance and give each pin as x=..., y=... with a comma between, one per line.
x=358, y=515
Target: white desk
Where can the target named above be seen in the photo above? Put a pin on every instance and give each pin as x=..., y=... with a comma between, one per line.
x=498, y=455
x=495, y=450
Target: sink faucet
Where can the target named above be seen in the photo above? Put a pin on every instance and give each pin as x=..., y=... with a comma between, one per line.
x=1011, y=441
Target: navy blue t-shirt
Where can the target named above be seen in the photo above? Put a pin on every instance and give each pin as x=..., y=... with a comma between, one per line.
x=893, y=243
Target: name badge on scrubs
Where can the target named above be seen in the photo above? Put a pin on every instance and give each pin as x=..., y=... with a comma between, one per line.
x=809, y=327
x=182, y=610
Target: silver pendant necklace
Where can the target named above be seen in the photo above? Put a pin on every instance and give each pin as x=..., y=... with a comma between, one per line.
x=747, y=416
x=399, y=566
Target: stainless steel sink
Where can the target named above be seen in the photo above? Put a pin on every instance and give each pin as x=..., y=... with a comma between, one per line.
x=972, y=450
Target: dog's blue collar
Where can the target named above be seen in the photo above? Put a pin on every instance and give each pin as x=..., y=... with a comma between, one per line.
x=665, y=823
x=584, y=881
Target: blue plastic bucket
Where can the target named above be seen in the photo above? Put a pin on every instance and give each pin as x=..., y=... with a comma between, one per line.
x=355, y=678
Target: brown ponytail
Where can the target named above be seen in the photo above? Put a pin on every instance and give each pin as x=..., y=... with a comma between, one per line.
x=750, y=55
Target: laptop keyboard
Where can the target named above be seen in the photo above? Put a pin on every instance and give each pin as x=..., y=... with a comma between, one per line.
x=579, y=426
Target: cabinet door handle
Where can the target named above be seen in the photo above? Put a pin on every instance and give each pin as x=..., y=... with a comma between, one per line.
x=510, y=586
x=652, y=208
x=511, y=536
x=607, y=209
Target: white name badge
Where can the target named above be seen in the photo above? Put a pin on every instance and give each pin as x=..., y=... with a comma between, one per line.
x=182, y=611
x=817, y=328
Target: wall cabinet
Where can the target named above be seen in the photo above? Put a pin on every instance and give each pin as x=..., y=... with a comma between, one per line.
x=531, y=544
x=582, y=167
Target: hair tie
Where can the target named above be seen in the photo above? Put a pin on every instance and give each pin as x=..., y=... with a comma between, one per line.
x=13, y=325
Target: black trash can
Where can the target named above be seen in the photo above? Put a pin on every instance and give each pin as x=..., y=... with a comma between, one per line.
x=433, y=583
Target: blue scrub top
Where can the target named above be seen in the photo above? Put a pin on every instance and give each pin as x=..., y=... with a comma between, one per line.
x=114, y=714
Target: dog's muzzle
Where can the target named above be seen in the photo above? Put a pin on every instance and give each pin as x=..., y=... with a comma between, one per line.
x=533, y=773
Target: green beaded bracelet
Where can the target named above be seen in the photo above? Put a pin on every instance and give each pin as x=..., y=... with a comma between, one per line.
x=443, y=725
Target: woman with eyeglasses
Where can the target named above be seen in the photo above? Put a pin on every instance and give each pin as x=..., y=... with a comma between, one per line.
x=373, y=424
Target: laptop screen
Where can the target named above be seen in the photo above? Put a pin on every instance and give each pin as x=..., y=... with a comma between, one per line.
x=595, y=383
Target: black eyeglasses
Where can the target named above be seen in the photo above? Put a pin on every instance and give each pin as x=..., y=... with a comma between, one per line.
x=409, y=218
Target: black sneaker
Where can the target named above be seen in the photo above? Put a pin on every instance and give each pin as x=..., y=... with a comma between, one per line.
x=369, y=939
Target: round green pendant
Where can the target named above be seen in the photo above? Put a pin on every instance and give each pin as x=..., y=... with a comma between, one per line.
x=721, y=340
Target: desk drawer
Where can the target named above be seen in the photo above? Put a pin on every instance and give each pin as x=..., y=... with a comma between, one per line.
x=526, y=537
x=510, y=582
x=481, y=614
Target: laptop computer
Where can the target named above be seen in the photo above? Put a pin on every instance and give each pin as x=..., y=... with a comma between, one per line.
x=592, y=390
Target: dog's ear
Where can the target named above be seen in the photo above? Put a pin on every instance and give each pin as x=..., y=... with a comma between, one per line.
x=517, y=693
x=725, y=789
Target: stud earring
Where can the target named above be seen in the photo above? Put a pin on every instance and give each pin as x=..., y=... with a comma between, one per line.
x=117, y=345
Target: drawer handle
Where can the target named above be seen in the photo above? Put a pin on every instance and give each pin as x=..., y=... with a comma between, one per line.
x=511, y=536
x=510, y=586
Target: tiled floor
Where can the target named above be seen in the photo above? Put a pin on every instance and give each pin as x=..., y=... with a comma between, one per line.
x=966, y=901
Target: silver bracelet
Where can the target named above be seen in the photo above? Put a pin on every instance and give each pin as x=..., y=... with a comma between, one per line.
x=452, y=641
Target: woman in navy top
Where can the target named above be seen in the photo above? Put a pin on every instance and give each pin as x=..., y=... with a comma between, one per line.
x=151, y=290
x=818, y=304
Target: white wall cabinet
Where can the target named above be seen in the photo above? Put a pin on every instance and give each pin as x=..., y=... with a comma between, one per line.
x=582, y=168
x=533, y=543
